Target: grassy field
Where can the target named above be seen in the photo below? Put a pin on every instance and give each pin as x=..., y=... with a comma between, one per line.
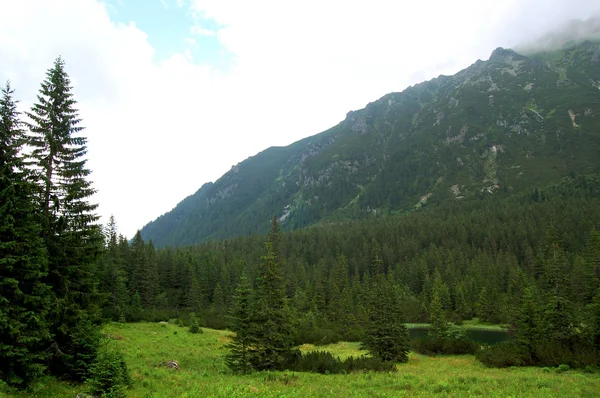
x=204, y=374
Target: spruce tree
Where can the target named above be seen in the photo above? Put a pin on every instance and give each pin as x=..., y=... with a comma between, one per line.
x=240, y=322
x=526, y=323
x=24, y=297
x=557, y=321
x=593, y=320
x=386, y=336
x=112, y=276
x=272, y=334
x=218, y=308
x=70, y=230
x=144, y=276
x=439, y=326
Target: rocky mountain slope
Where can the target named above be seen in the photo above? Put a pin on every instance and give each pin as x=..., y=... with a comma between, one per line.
x=499, y=127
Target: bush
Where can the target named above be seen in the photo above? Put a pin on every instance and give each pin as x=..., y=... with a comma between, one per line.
x=504, y=354
x=427, y=346
x=563, y=368
x=459, y=347
x=456, y=342
x=77, y=351
x=109, y=376
x=552, y=354
x=325, y=363
x=318, y=362
x=195, y=324
x=542, y=353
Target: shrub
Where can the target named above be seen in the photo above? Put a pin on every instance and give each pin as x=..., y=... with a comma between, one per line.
x=195, y=324
x=455, y=342
x=325, y=363
x=109, y=376
x=504, y=354
x=368, y=364
x=318, y=362
x=552, y=354
x=459, y=347
x=563, y=368
x=427, y=345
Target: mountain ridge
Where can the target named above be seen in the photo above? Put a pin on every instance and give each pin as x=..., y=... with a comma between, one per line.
x=497, y=127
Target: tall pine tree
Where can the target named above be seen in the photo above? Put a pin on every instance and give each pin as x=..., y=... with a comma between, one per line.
x=238, y=357
x=70, y=230
x=272, y=334
x=386, y=336
x=24, y=297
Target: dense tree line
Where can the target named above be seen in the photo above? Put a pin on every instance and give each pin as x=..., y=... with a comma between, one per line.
x=264, y=333
x=453, y=262
x=50, y=241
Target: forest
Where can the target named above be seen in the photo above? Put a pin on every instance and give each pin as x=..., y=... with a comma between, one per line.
x=528, y=261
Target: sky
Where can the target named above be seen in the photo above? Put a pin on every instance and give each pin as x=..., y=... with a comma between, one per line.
x=173, y=93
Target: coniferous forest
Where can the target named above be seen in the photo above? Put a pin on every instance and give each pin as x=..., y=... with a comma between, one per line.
x=50, y=241
x=529, y=261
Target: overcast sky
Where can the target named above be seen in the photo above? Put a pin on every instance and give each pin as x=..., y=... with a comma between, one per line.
x=174, y=92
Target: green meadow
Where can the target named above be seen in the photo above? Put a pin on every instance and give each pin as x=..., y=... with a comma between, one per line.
x=203, y=373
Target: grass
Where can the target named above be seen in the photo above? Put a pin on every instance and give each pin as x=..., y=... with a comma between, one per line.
x=204, y=374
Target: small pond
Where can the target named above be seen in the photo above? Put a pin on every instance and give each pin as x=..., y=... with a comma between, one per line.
x=484, y=336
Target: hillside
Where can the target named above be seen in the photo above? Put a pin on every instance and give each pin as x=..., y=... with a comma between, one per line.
x=497, y=128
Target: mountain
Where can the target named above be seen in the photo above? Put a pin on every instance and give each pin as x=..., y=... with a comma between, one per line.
x=499, y=127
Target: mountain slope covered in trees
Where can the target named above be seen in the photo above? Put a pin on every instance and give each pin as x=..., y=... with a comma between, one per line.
x=497, y=128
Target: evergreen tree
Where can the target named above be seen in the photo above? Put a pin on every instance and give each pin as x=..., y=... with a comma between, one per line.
x=557, y=323
x=594, y=321
x=460, y=306
x=386, y=336
x=24, y=297
x=439, y=326
x=526, y=325
x=144, y=277
x=218, y=308
x=238, y=357
x=441, y=290
x=194, y=324
x=484, y=305
x=112, y=276
x=73, y=238
x=272, y=335
x=195, y=297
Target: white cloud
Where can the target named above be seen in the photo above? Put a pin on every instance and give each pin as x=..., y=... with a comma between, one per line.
x=158, y=131
x=196, y=29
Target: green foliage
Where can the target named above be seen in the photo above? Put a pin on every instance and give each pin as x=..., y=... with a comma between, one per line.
x=386, y=336
x=439, y=326
x=453, y=342
x=271, y=335
x=109, y=375
x=241, y=323
x=195, y=324
x=24, y=295
x=432, y=346
x=262, y=322
x=504, y=354
x=324, y=362
x=72, y=238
